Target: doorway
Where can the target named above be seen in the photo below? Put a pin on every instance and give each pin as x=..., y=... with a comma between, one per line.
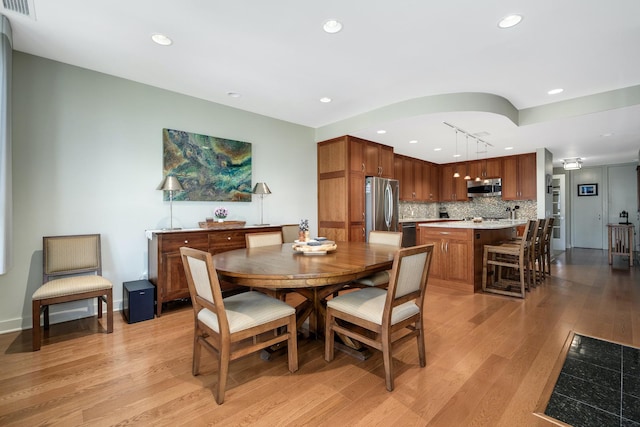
x=558, y=234
x=587, y=208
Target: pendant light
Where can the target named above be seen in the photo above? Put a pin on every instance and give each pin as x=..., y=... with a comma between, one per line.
x=467, y=177
x=455, y=173
x=478, y=160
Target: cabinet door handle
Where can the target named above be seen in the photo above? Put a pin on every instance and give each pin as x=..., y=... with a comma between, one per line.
x=229, y=238
x=446, y=247
x=363, y=216
x=186, y=241
x=363, y=167
x=363, y=232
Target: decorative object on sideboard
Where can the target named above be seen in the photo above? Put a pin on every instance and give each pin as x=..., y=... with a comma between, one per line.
x=171, y=184
x=261, y=188
x=221, y=214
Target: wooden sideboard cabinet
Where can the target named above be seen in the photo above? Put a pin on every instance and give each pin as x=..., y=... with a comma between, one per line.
x=165, y=266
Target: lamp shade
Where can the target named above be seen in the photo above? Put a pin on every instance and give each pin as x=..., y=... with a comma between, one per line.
x=170, y=183
x=261, y=188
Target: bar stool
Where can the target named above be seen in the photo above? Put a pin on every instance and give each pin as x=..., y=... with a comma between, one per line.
x=513, y=255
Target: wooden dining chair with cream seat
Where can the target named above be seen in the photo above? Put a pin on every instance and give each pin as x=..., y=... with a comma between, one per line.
x=508, y=255
x=290, y=233
x=377, y=317
x=71, y=271
x=269, y=238
x=224, y=326
x=546, y=246
x=381, y=278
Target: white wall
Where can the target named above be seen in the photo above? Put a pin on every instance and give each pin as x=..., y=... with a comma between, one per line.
x=87, y=157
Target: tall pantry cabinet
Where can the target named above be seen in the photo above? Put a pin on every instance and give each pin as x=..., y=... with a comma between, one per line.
x=343, y=164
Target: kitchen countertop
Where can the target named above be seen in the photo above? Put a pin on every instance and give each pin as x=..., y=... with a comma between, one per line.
x=484, y=225
x=425, y=219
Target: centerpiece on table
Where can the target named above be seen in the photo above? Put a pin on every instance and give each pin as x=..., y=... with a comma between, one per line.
x=303, y=234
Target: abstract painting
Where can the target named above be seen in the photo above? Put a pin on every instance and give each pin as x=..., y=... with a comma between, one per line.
x=209, y=168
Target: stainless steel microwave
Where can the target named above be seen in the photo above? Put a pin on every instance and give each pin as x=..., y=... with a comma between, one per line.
x=485, y=188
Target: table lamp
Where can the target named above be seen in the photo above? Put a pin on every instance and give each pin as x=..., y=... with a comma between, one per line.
x=171, y=184
x=261, y=188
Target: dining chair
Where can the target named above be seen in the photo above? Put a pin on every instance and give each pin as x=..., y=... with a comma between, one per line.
x=290, y=233
x=381, y=278
x=546, y=250
x=513, y=255
x=71, y=271
x=384, y=313
x=269, y=238
x=223, y=326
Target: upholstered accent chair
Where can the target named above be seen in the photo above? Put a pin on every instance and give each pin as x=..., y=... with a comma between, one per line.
x=224, y=326
x=269, y=238
x=72, y=270
x=378, y=317
x=381, y=278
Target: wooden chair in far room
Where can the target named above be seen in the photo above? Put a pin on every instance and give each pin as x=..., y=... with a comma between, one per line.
x=71, y=271
x=290, y=233
x=269, y=238
x=509, y=255
x=225, y=326
x=385, y=313
x=537, y=251
x=381, y=278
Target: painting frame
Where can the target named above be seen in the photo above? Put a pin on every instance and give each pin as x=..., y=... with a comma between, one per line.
x=587, y=190
x=209, y=168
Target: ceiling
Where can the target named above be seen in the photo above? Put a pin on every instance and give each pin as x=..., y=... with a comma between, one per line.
x=405, y=67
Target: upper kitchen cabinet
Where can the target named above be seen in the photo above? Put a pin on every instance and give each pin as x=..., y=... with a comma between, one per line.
x=411, y=180
x=486, y=168
x=453, y=189
x=377, y=160
x=519, y=177
x=431, y=182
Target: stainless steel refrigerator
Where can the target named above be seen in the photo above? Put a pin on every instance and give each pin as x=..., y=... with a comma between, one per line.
x=381, y=199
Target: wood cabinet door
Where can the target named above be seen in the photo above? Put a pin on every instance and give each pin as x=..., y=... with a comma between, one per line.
x=357, y=233
x=460, y=189
x=356, y=155
x=457, y=254
x=527, y=176
x=371, y=159
x=446, y=183
x=356, y=198
x=510, y=178
x=176, y=284
x=438, y=258
x=434, y=181
x=407, y=190
x=492, y=168
x=397, y=171
x=475, y=169
x=418, y=181
x=386, y=162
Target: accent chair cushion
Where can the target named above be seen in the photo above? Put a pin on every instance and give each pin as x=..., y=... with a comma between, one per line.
x=71, y=286
x=247, y=310
x=376, y=279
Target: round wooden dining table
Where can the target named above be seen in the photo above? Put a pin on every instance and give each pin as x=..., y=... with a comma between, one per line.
x=315, y=277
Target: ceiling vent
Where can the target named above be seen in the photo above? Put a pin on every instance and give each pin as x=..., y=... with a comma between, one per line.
x=22, y=7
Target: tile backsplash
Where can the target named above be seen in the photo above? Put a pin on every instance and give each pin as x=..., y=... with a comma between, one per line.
x=486, y=207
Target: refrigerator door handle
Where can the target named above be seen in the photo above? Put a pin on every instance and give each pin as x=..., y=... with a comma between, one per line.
x=388, y=205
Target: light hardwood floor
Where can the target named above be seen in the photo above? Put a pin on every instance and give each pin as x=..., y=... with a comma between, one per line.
x=488, y=360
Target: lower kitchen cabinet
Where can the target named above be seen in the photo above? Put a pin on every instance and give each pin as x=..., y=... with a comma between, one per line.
x=165, y=265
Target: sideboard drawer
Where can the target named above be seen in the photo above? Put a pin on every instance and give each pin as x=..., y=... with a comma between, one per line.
x=173, y=242
x=226, y=240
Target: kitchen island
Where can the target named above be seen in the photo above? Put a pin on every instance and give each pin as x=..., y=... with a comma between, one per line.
x=458, y=246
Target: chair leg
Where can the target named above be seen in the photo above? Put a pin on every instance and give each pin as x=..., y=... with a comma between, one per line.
x=109, y=311
x=100, y=307
x=329, y=336
x=387, y=360
x=292, y=344
x=36, y=333
x=46, y=316
x=421, y=350
x=223, y=370
x=485, y=259
x=197, y=348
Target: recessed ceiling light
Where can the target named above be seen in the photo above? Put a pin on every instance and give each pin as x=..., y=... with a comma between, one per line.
x=325, y=99
x=509, y=21
x=555, y=91
x=161, y=39
x=233, y=94
x=382, y=131
x=332, y=26
x=413, y=141
x=437, y=149
x=606, y=135
x=456, y=155
x=508, y=148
